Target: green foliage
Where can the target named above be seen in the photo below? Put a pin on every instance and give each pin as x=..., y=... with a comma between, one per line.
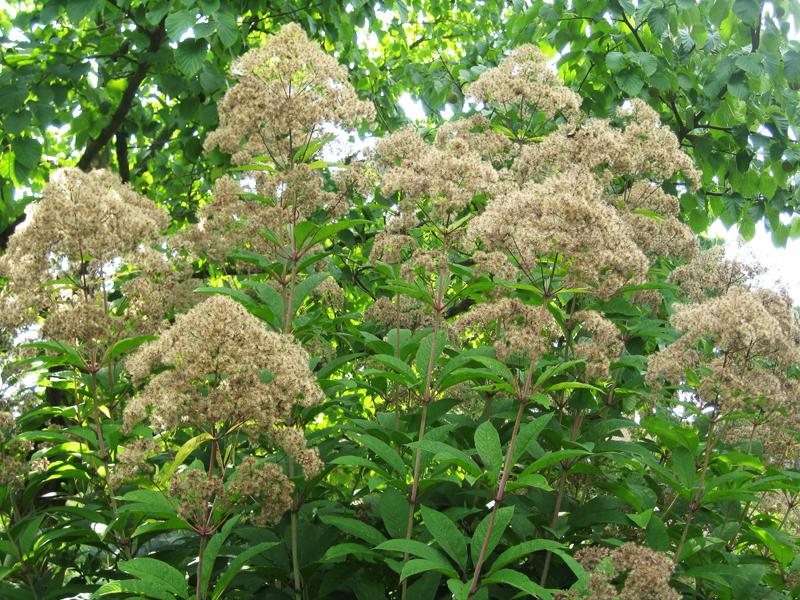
x=451, y=468
x=721, y=73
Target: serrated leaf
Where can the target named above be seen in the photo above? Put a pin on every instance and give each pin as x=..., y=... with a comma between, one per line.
x=27, y=152
x=178, y=22
x=157, y=572
x=190, y=55
x=501, y=521
x=615, y=61
x=487, y=443
x=227, y=28
x=355, y=528
x=446, y=534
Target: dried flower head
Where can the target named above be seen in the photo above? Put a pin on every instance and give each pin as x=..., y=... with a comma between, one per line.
x=444, y=177
x=641, y=149
x=741, y=347
x=286, y=91
x=604, y=346
x=523, y=82
x=75, y=234
x=515, y=327
x=565, y=216
x=630, y=572
x=225, y=367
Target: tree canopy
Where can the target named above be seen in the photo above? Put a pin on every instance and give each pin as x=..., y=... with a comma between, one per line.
x=135, y=85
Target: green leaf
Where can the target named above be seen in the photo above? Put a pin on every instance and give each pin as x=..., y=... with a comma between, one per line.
x=134, y=586
x=227, y=28
x=446, y=534
x=355, y=528
x=752, y=63
x=384, y=451
x=520, y=581
x=630, y=82
x=642, y=518
x=156, y=572
x=428, y=351
x=444, y=452
x=126, y=345
x=514, y=553
x=502, y=520
x=190, y=55
x=529, y=433
x=27, y=152
x=487, y=443
x=181, y=455
x=393, y=508
x=421, y=565
x=749, y=11
x=615, y=61
x=213, y=548
x=178, y=22
x=397, y=365
x=273, y=301
x=552, y=458
x=648, y=62
x=415, y=548
x=682, y=462
x=237, y=565
x=147, y=501
x=304, y=289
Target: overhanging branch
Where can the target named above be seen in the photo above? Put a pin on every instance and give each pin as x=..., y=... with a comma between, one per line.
x=134, y=81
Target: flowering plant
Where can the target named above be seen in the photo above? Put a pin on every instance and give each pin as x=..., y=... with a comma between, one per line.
x=470, y=363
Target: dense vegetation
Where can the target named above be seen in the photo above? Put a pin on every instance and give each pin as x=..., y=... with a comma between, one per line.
x=292, y=348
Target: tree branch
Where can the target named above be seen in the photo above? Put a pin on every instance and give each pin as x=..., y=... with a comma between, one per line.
x=123, y=165
x=95, y=145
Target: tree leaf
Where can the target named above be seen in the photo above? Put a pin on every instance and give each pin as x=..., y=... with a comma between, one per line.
x=190, y=55
x=237, y=565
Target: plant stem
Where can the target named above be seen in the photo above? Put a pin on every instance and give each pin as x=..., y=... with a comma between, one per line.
x=288, y=313
x=562, y=480
x=498, y=498
x=412, y=501
x=426, y=398
x=199, y=591
x=695, y=504
x=298, y=594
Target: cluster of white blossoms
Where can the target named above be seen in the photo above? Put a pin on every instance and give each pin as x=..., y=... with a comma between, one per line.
x=225, y=369
x=288, y=97
x=62, y=261
x=287, y=90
